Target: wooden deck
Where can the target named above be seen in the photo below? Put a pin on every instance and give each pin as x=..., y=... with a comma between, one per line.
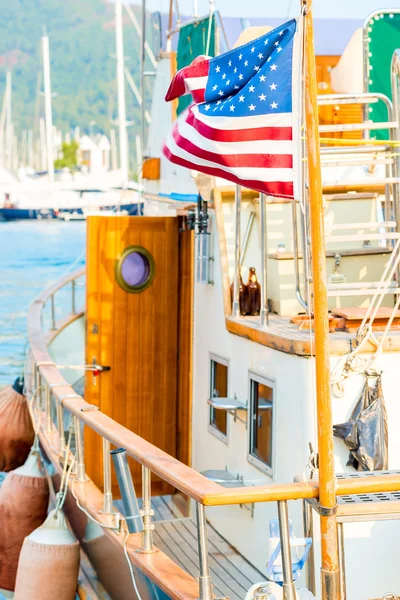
x=176, y=535
x=231, y=574
x=285, y=336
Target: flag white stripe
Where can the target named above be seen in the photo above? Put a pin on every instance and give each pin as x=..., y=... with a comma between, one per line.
x=249, y=122
x=257, y=147
x=195, y=83
x=248, y=173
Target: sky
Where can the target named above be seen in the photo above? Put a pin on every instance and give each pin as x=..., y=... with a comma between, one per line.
x=279, y=8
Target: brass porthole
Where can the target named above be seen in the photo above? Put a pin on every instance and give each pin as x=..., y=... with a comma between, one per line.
x=134, y=269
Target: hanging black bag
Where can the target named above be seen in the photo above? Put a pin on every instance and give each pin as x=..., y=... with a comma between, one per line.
x=366, y=433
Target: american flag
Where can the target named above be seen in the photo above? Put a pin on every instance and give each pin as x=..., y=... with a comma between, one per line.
x=240, y=126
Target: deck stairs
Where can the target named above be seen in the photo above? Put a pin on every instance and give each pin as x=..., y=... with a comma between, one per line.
x=378, y=165
x=361, y=199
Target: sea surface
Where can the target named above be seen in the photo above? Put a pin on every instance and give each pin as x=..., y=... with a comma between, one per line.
x=33, y=255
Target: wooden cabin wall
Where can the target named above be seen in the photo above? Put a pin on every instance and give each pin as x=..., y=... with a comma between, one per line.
x=136, y=334
x=185, y=343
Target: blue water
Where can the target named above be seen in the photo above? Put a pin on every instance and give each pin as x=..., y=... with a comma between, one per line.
x=33, y=254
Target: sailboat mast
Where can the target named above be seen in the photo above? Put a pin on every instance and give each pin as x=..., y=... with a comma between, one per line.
x=47, y=107
x=330, y=574
x=123, y=137
x=9, y=133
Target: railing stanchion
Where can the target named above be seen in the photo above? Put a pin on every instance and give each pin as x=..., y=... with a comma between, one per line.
x=38, y=387
x=53, y=313
x=289, y=591
x=73, y=308
x=80, y=467
x=49, y=420
x=108, y=498
x=147, y=512
x=342, y=562
x=309, y=532
x=60, y=426
x=205, y=586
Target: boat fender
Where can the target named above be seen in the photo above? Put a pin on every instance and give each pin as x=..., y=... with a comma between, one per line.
x=32, y=467
x=266, y=590
x=16, y=430
x=273, y=591
x=111, y=566
x=48, y=566
x=24, y=498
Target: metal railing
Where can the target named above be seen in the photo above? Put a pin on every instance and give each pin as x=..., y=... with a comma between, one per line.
x=47, y=380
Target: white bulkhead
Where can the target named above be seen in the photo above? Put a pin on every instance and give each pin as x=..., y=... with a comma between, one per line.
x=370, y=548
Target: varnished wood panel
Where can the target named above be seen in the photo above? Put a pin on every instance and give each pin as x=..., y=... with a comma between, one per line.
x=93, y=299
x=137, y=337
x=185, y=344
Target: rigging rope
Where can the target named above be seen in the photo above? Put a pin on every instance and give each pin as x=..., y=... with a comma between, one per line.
x=365, y=331
x=69, y=461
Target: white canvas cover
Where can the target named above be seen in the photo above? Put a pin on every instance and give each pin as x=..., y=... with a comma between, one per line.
x=347, y=76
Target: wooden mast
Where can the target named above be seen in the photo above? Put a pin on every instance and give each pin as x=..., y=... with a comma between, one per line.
x=327, y=479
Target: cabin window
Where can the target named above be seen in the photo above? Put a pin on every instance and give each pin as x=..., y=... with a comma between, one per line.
x=262, y=392
x=134, y=269
x=218, y=388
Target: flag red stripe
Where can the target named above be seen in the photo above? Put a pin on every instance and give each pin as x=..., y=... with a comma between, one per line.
x=262, y=161
x=239, y=135
x=280, y=189
x=177, y=86
x=198, y=95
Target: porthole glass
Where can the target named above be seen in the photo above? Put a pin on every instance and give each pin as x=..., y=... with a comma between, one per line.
x=134, y=270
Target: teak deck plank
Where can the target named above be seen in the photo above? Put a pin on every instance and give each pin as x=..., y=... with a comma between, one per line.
x=222, y=579
x=231, y=574
x=180, y=550
x=239, y=569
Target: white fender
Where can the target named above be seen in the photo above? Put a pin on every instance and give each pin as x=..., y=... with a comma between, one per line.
x=273, y=591
x=53, y=531
x=32, y=466
x=266, y=590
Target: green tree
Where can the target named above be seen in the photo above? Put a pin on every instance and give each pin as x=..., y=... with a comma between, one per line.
x=70, y=156
x=83, y=72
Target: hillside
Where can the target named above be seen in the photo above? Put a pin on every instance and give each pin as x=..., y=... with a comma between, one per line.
x=82, y=37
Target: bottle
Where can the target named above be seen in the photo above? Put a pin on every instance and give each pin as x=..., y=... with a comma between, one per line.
x=243, y=297
x=253, y=293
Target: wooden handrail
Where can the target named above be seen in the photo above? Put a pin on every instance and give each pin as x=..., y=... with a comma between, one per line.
x=171, y=578
x=179, y=475
x=58, y=285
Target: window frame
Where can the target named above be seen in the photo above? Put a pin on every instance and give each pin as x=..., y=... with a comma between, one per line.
x=253, y=460
x=212, y=428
